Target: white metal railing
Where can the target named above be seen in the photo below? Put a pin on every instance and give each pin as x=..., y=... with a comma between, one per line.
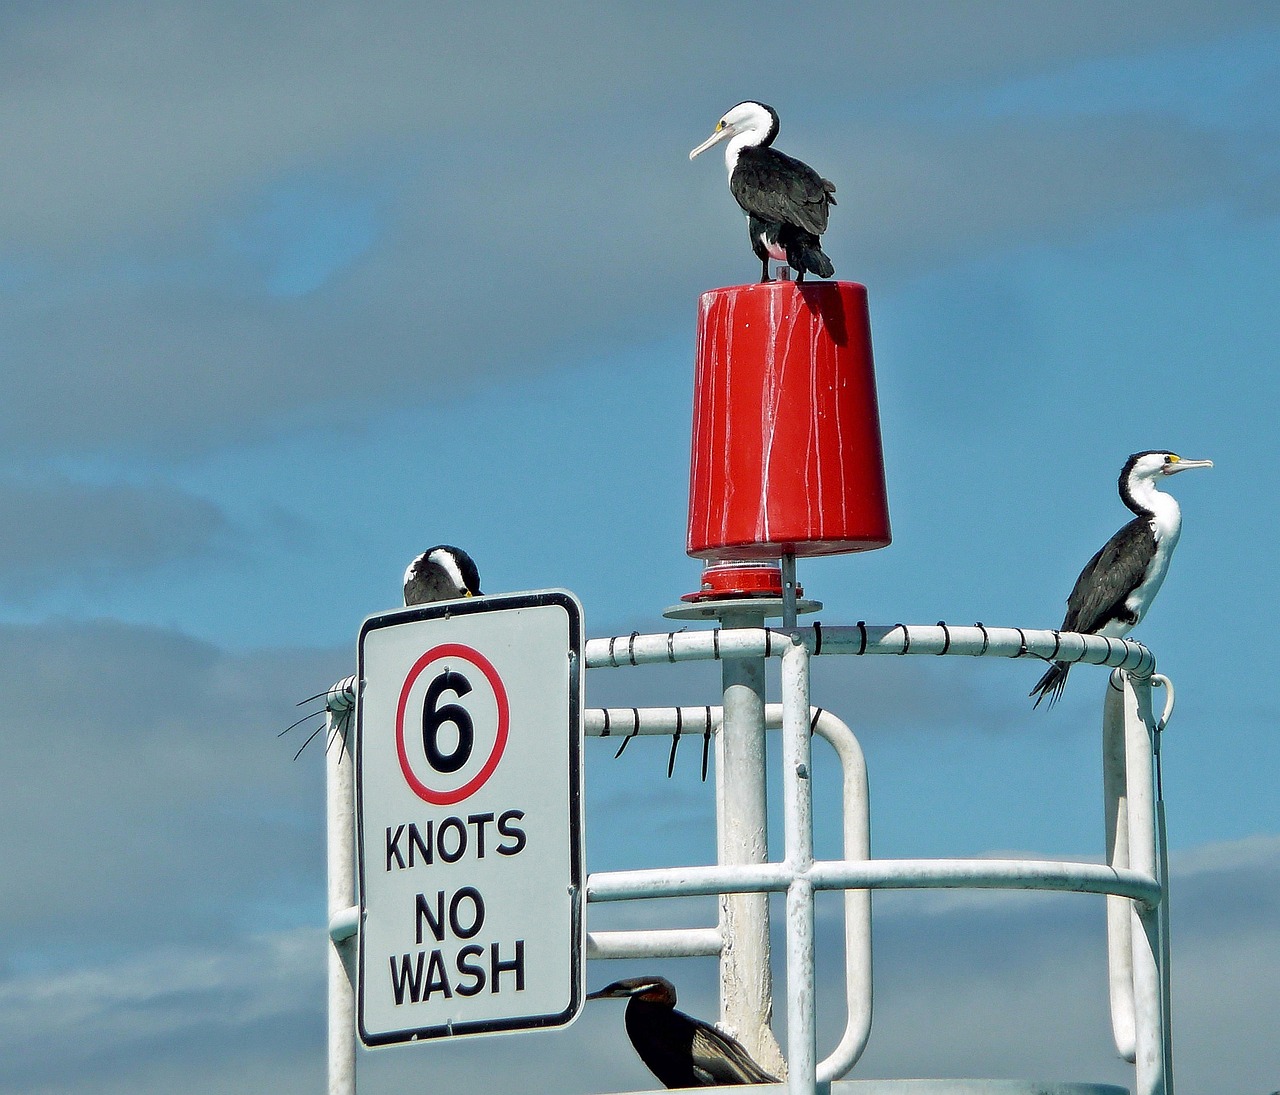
x=1131, y=877
x=693, y=942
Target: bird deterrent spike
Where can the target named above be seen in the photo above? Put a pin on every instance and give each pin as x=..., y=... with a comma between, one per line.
x=310, y=715
x=314, y=732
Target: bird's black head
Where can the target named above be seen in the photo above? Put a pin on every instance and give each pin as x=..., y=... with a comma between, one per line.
x=442, y=573
x=654, y=990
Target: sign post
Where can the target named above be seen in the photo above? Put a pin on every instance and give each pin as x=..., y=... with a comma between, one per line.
x=469, y=808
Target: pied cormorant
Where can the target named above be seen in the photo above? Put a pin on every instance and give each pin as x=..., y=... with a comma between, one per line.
x=786, y=201
x=1118, y=584
x=443, y=573
x=678, y=1049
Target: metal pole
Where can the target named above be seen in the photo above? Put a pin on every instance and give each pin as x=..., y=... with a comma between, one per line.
x=1119, y=929
x=341, y=816
x=797, y=805
x=746, y=979
x=1162, y=847
x=1145, y=919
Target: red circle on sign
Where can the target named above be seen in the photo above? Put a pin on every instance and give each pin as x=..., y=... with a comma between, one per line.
x=474, y=657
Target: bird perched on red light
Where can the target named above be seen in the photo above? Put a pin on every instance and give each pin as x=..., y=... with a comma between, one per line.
x=1118, y=584
x=678, y=1049
x=786, y=201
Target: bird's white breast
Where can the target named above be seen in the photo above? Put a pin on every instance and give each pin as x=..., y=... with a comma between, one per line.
x=1166, y=524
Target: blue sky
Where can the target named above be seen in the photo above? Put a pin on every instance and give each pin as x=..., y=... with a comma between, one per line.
x=287, y=296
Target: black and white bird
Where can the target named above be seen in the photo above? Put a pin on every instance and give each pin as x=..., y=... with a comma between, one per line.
x=786, y=201
x=1118, y=584
x=678, y=1049
x=443, y=573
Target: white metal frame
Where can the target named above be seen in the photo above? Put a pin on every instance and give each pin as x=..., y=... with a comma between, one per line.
x=1132, y=877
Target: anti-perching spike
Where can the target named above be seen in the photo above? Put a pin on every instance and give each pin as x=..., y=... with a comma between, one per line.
x=706, y=743
x=635, y=712
x=675, y=744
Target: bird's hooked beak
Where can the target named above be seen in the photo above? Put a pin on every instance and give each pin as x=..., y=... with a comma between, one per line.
x=723, y=132
x=1178, y=464
x=609, y=992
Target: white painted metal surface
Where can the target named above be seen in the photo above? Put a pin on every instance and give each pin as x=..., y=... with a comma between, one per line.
x=1130, y=877
x=691, y=942
x=341, y=824
x=742, y=837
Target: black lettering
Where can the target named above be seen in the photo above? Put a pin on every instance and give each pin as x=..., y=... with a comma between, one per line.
x=436, y=922
x=404, y=977
x=470, y=969
x=437, y=980
x=447, y=825
x=479, y=821
x=506, y=828
x=434, y=717
x=477, y=912
x=515, y=965
x=415, y=841
x=393, y=849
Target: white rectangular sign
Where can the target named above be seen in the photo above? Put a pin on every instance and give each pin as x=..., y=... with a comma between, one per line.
x=469, y=804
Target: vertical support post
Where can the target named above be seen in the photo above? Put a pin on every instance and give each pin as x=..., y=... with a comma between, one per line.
x=797, y=805
x=746, y=979
x=1119, y=933
x=1162, y=851
x=789, y=592
x=1144, y=921
x=341, y=818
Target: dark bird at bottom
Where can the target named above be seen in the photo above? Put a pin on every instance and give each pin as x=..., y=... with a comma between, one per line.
x=678, y=1049
x=1118, y=584
x=442, y=573
x=786, y=201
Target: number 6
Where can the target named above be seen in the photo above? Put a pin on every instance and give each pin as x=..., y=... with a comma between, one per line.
x=434, y=717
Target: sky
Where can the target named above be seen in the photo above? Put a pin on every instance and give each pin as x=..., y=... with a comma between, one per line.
x=289, y=293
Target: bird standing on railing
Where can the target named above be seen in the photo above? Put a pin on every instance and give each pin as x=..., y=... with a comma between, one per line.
x=678, y=1049
x=443, y=573
x=786, y=201
x=1118, y=584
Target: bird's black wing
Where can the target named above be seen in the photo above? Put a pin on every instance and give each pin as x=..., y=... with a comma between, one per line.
x=719, y=1059
x=1109, y=577
x=773, y=186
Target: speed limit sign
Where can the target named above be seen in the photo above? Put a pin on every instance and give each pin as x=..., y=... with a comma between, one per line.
x=469, y=801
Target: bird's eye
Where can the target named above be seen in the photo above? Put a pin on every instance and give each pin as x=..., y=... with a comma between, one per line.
x=1171, y=458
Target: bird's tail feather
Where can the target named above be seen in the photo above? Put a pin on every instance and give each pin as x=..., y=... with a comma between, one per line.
x=813, y=260
x=1051, y=684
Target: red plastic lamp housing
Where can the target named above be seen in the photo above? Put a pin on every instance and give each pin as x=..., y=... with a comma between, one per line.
x=786, y=453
